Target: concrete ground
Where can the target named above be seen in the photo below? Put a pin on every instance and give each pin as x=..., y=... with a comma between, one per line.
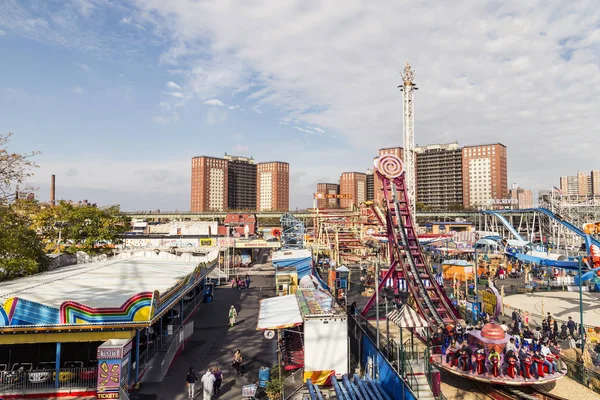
x=214, y=343
x=560, y=304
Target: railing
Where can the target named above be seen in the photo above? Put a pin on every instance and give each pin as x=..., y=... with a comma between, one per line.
x=26, y=380
x=587, y=377
x=179, y=337
x=123, y=394
x=293, y=383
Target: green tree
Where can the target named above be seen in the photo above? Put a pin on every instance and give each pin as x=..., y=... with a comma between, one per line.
x=21, y=250
x=421, y=206
x=15, y=168
x=88, y=229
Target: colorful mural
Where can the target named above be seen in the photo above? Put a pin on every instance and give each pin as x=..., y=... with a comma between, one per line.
x=140, y=307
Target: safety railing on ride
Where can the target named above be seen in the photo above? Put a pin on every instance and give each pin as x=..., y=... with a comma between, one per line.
x=293, y=383
x=22, y=378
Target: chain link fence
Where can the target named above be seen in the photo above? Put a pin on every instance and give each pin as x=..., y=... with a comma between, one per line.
x=293, y=383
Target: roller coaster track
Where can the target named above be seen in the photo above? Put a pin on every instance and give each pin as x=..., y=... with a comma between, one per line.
x=407, y=260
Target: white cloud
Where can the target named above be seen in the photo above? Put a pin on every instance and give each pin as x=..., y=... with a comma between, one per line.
x=2, y=33
x=304, y=130
x=319, y=130
x=84, y=67
x=173, y=85
x=523, y=73
x=78, y=90
x=85, y=7
x=126, y=20
x=176, y=94
x=215, y=102
x=257, y=109
x=164, y=105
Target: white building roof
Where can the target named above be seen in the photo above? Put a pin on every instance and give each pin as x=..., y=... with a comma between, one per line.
x=104, y=284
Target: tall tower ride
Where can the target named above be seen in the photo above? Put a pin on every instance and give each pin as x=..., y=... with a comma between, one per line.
x=408, y=88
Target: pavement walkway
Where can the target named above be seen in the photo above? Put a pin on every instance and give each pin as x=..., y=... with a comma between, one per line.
x=214, y=343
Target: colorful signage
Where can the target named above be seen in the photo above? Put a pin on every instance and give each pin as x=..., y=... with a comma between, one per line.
x=491, y=301
x=257, y=244
x=207, y=242
x=320, y=195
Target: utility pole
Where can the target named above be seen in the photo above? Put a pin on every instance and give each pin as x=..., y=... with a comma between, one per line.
x=408, y=87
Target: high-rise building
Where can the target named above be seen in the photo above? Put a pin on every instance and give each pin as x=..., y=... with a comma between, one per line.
x=582, y=184
x=485, y=177
x=209, y=184
x=328, y=188
x=569, y=185
x=273, y=186
x=355, y=185
x=439, y=176
x=370, y=184
x=595, y=183
x=377, y=183
x=523, y=197
x=241, y=192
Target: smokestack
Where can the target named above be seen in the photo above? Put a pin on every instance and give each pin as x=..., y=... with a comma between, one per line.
x=53, y=190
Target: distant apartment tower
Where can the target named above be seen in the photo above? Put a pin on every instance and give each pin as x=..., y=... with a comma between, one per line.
x=595, y=183
x=241, y=191
x=377, y=184
x=582, y=184
x=484, y=175
x=523, y=197
x=209, y=184
x=328, y=188
x=370, y=185
x=569, y=185
x=355, y=185
x=439, y=175
x=273, y=186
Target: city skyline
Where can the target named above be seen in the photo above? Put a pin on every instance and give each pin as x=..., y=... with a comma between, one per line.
x=119, y=97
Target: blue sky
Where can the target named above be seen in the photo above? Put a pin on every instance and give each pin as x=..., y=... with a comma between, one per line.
x=118, y=98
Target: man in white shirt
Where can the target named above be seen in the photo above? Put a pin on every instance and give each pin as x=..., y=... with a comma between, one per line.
x=552, y=367
x=511, y=345
x=208, y=382
x=504, y=327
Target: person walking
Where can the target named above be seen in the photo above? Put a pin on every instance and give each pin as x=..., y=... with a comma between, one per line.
x=218, y=379
x=248, y=281
x=238, y=362
x=190, y=382
x=208, y=385
x=232, y=315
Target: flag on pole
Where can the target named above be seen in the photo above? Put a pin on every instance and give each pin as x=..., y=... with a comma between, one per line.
x=557, y=189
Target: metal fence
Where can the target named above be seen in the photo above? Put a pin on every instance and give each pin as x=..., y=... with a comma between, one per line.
x=587, y=377
x=293, y=383
x=178, y=339
x=24, y=379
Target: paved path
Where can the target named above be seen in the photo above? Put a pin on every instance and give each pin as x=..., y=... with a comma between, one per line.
x=560, y=304
x=214, y=343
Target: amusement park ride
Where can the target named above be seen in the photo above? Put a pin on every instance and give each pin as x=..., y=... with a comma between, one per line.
x=408, y=265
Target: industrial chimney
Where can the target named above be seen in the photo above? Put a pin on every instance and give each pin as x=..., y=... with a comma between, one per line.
x=53, y=190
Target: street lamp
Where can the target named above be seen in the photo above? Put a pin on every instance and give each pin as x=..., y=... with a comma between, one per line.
x=60, y=225
x=476, y=307
x=581, y=328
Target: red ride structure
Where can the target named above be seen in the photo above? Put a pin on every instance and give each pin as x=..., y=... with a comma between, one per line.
x=407, y=263
x=408, y=272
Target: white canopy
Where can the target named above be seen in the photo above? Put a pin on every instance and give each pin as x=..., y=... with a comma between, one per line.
x=279, y=313
x=406, y=317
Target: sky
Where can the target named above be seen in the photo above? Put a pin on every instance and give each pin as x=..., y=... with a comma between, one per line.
x=119, y=96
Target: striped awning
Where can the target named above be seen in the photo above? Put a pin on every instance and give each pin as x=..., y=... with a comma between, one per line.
x=406, y=317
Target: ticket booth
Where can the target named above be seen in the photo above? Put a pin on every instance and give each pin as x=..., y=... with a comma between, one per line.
x=114, y=364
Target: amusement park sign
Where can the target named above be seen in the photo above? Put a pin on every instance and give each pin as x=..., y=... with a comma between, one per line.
x=320, y=195
x=491, y=302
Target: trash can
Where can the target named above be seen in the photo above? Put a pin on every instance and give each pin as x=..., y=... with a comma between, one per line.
x=264, y=374
x=208, y=292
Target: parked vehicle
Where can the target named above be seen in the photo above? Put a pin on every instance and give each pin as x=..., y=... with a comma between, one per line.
x=65, y=376
x=17, y=373
x=42, y=372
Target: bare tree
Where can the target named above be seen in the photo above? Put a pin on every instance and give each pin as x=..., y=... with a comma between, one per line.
x=15, y=168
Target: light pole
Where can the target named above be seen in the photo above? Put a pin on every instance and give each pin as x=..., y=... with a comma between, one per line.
x=60, y=225
x=581, y=328
x=476, y=308
x=377, y=293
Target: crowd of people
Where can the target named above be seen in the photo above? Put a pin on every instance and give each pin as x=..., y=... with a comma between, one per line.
x=525, y=350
